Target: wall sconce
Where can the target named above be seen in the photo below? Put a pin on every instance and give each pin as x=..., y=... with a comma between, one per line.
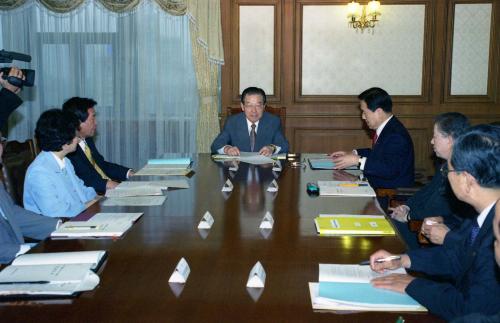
x=361, y=17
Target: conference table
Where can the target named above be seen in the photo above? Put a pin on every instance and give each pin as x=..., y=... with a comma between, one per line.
x=134, y=283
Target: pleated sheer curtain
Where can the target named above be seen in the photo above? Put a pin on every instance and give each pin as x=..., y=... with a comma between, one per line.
x=137, y=65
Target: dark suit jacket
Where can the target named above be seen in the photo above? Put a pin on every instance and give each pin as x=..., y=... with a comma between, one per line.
x=19, y=223
x=391, y=162
x=87, y=172
x=9, y=101
x=437, y=199
x=235, y=133
x=469, y=283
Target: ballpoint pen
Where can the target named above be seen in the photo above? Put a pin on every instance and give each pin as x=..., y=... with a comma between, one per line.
x=352, y=184
x=80, y=227
x=26, y=282
x=380, y=260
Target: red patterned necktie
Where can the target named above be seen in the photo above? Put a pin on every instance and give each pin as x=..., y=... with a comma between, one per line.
x=374, y=138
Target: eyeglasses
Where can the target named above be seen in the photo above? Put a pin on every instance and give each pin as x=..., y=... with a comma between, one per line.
x=444, y=171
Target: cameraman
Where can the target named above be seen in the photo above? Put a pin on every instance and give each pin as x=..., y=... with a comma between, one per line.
x=9, y=100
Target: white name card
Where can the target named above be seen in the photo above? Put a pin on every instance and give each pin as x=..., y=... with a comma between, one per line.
x=257, y=277
x=207, y=221
x=228, y=186
x=277, y=166
x=181, y=272
x=273, y=187
x=267, y=221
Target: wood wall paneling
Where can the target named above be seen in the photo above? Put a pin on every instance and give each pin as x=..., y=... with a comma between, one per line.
x=328, y=123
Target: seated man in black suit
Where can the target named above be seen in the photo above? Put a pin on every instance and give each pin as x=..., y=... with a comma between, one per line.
x=89, y=164
x=464, y=277
x=390, y=163
x=252, y=130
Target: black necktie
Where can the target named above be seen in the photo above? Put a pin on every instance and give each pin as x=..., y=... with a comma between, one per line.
x=253, y=135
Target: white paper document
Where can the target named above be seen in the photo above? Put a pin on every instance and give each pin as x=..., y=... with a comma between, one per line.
x=134, y=201
x=257, y=276
x=52, y=258
x=277, y=166
x=207, y=221
x=100, y=225
x=345, y=188
x=267, y=221
x=351, y=273
x=247, y=157
x=181, y=272
x=155, y=170
x=164, y=185
x=136, y=191
x=54, y=279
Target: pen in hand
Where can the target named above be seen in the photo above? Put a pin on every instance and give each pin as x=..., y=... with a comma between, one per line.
x=380, y=260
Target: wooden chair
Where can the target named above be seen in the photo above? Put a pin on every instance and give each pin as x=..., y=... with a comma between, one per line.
x=17, y=156
x=279, y=112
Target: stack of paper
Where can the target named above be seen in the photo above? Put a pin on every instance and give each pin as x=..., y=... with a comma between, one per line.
x=248, y=157
x=347, y=287
x=345, y=188
x=349, y=224
x=64, y=273
x=164, y=185
x=165, y=167
x=98, y=226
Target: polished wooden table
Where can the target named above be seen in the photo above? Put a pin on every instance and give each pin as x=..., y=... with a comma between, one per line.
x=134, y=281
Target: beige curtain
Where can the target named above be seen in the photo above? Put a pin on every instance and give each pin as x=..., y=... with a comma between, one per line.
x=173, y=7
x=208, y=54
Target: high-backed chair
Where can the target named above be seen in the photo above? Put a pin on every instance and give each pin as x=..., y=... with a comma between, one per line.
x=16, y=158
x=279, y=112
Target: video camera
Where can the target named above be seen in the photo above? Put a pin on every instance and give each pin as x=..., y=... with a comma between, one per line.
x=29, y=75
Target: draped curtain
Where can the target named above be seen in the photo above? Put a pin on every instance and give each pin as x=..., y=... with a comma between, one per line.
x=146, y=68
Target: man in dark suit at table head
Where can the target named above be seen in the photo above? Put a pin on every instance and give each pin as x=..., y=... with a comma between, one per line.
x=390, y=163
x=254, y=130
x=89, y=164
x=463, y=276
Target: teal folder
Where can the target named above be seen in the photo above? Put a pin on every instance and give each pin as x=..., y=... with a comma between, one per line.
x=170, y=161
x=363, y=293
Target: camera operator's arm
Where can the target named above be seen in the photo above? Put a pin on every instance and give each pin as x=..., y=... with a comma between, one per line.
x=9, y=101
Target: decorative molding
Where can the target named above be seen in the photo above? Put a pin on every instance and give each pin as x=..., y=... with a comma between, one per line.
x=424, y=96
x=235, y=53
x=493, y=63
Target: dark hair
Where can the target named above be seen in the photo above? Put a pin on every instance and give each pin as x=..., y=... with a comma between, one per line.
x=79, y=107
x=55, y=128
x=452, y=124
x=251, y=91
x=376, y=98
x=477, y=151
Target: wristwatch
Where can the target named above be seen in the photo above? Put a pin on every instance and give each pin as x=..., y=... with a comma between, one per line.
x=273, y=147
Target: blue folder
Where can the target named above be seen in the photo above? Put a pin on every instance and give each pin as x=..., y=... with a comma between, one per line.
x=363, y=293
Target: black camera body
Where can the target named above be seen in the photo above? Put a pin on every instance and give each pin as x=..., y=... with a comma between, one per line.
x=29, y=75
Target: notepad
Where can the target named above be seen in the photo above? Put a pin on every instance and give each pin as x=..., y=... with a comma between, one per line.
x=101, y=225
x=347, y=287
x=350, y=224
x=61, y=273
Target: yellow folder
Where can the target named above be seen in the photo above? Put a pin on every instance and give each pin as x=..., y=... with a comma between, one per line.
x=347, y=224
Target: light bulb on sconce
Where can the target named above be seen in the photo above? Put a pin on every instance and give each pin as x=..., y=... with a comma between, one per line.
x=363, y=16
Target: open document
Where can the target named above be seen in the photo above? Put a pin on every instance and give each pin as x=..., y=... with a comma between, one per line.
x=253, y=158
x=51, y=274
x=347, y=287
x=345, y=188
x=101, y=225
